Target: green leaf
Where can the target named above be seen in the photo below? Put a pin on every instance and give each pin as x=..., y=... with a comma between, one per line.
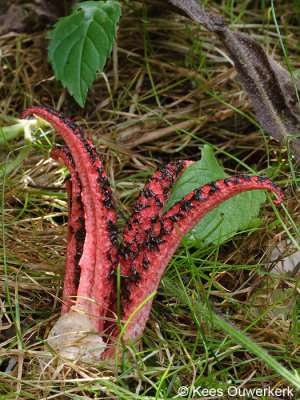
x=229, y=217
x=81, y=43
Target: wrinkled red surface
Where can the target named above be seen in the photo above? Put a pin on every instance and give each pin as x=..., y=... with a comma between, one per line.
x=99, y=253
x=76, y=229
x=168, y=233
x=150, y=238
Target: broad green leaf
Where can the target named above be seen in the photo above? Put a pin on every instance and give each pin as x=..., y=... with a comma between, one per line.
x=81, y=43
x=229, y=217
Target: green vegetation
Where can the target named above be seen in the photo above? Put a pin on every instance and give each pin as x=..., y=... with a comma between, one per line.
x=225, y=314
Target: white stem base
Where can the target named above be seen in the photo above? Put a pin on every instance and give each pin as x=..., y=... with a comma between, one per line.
x=73, y=335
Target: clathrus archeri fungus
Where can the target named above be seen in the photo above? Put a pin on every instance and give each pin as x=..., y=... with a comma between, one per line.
x=94, y=263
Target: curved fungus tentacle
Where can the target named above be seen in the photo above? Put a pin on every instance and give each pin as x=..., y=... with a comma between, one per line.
x=147, y=213
x=167, y=235
x=76, y=228
x=149, y=240
x=99, y=250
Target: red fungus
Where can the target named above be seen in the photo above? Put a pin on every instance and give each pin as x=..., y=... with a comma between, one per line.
x=76, y=228
x=99, y=251
x=147, y=213
x=149, y=241
x=166, y=235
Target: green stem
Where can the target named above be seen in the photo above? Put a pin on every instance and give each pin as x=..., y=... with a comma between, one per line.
x=10, y=166
x=8, y=133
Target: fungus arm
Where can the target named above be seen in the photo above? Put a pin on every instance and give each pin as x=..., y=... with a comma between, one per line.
x=76, y=228
x=175, y=224
x=99, y=251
